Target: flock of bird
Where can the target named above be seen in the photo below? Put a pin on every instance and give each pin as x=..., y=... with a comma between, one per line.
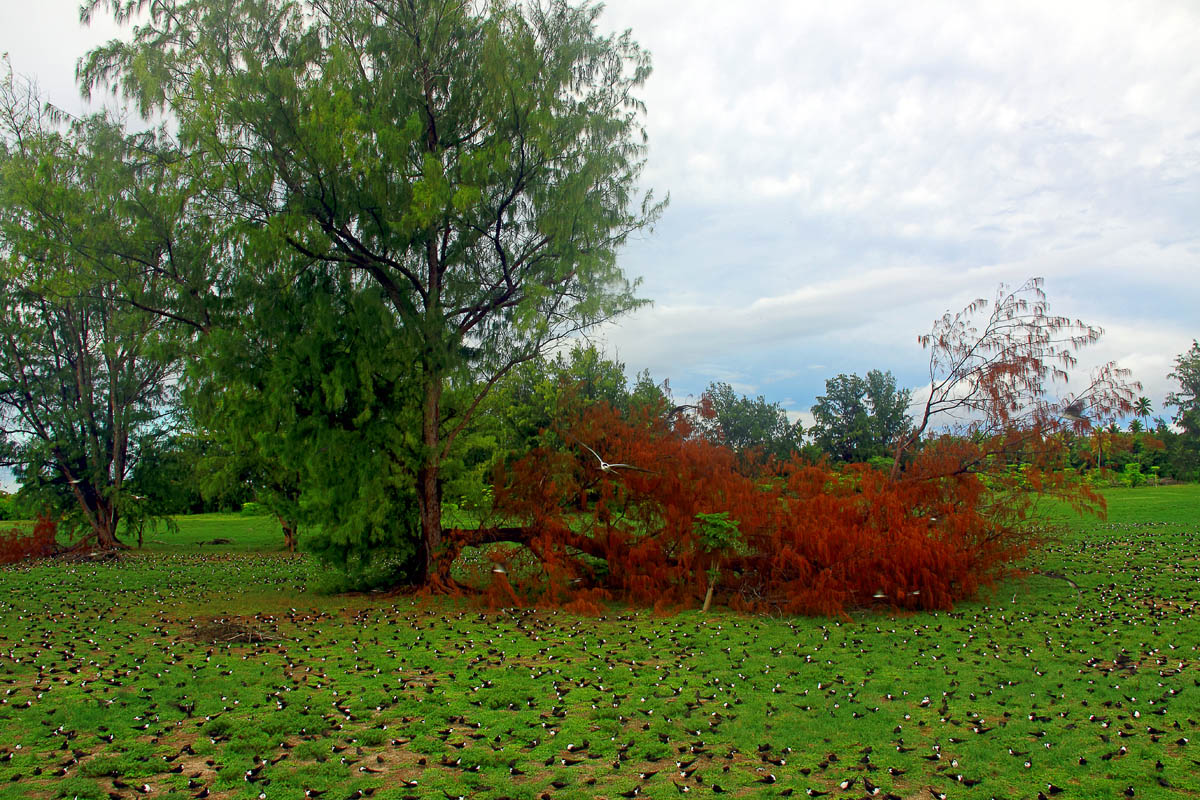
x=155, y=676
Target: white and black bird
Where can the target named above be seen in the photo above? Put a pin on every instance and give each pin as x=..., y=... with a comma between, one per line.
x=1074, y=411
x=607, y=467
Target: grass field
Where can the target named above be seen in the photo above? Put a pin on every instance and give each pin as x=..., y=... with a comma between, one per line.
x=133, y=679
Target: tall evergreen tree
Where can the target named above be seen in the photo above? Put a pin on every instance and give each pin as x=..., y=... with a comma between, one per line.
x=752, y=428
x=860, y=418
x=475, y=163
x=1185, y=450
x=86, y=376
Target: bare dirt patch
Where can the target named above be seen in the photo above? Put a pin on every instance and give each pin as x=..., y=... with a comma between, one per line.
x=230, y=630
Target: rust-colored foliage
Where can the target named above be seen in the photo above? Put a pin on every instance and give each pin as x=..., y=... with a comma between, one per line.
x=18, y=545
x=992, y=366
x=814, y=540
x=619, y=511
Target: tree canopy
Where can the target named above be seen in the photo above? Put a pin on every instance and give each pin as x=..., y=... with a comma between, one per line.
x=752, y=428
x=476, y=163
x=1186, y=402
x=86, y=376
x=860, y=418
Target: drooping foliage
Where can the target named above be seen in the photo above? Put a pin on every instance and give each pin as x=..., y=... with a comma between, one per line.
x=168, y=480
x=641, y=507
x=86, y=375
x=810, y=539
x=476, y=163
x=40, y=541
x=311, y=401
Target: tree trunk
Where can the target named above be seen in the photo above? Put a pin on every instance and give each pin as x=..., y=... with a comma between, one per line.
x=101, y=516
x=429, y=496
x=289, y=533
x=104, y=525
x=708, y=596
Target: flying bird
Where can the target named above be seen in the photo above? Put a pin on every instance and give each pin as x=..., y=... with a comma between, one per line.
x=1074, y=411
x=607, y=467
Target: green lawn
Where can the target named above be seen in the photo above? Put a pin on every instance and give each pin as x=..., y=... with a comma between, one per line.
x=117, y=680
x=1177, y=503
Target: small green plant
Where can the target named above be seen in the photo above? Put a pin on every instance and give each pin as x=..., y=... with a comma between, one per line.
x=253, y=509
x=719, y=538
x=881, y=463
x=1133, y=476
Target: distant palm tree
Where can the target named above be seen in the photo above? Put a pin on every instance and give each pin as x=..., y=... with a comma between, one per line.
x=1141, y=407
x=1135, y=426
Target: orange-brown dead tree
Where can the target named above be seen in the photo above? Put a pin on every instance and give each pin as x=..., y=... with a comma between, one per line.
x=613, y=514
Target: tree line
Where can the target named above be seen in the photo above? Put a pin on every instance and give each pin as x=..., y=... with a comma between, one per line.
x=336, y=280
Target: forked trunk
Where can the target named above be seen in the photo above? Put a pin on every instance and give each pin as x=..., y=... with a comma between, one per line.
x=104, y=530
x=101, y=515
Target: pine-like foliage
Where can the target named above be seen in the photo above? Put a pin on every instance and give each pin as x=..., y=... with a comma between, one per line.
x=809, y=539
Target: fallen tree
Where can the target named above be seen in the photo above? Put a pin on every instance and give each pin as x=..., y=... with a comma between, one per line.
x=625, y=510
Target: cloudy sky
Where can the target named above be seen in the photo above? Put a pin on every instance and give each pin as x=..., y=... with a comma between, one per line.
x=841, y=174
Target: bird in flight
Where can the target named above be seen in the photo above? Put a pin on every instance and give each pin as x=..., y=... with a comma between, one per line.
x=607, y=467
x=1074, y=411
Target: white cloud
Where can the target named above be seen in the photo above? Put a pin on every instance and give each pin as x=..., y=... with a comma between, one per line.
x=45, y=39
x=842, y=173
x=866, y=168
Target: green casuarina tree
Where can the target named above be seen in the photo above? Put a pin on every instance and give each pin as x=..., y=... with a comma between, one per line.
x=476, y=162
x=312, y=403
x=242, y=443
x=1186, y=401
x=1185, y=451
x=166, y=477
x=86, y=379
x=752, y=428
x=860, y=418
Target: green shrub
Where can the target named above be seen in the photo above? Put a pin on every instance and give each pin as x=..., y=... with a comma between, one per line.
x=1133, y=476
x=254, y=510
x=881, y=463
x=218, y=727
x=103, y=766
x=358, y=573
